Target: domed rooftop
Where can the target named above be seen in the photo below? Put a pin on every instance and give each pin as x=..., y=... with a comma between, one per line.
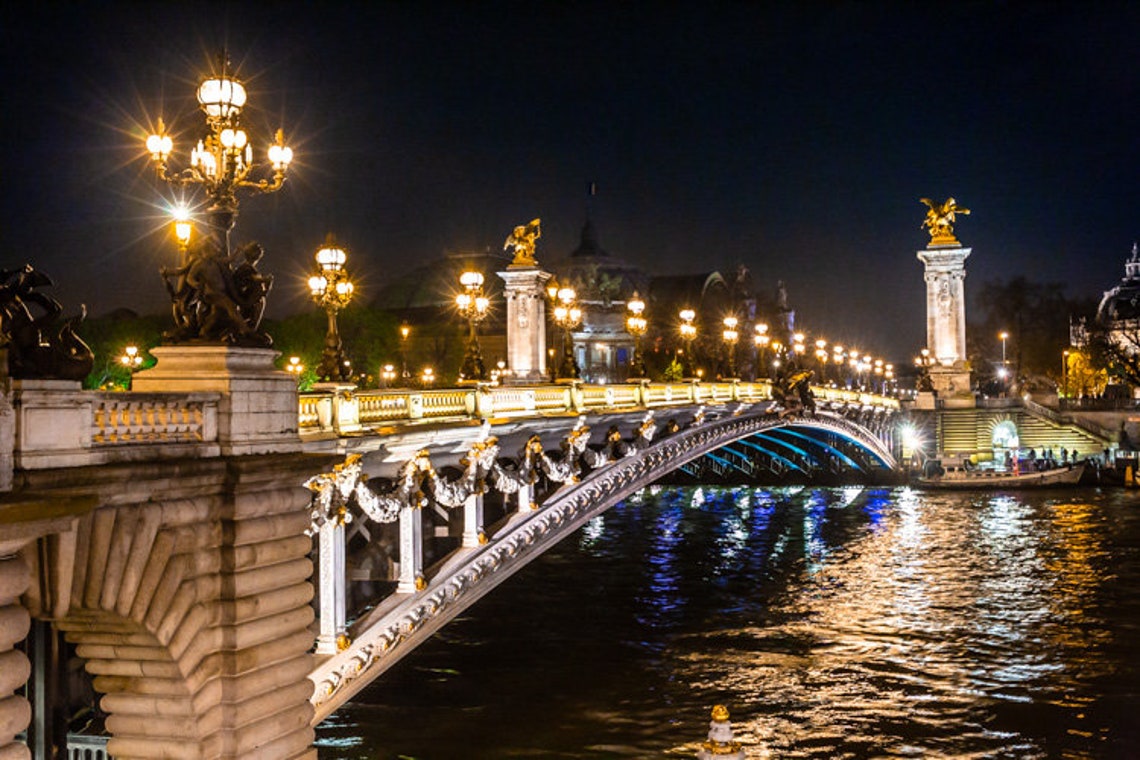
x=1123, y=301
x=595, y=274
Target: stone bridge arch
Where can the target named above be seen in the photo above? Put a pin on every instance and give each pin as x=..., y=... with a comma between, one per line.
x=401, y=624
x=186, y=593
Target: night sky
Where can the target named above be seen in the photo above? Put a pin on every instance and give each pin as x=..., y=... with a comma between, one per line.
x=795, y=139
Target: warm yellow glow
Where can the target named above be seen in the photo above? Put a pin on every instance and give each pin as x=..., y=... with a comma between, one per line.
x=221, y=97
x=183, y=229
x=331, y=256
x=405, y=331
x=635, y=304
x=470, y=279
x=688, y=315
x=762, y=328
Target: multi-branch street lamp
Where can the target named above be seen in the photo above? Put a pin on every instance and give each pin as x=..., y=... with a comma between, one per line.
x=214, y=300
x=688, y=333
x=636, y=325
x=472, y=305
x=821, y=358
x=730, y=336
x=762, y=339
x=567, y=315
x=387, y=376
x=332, y=290
x=294, y=367
x=798, y=347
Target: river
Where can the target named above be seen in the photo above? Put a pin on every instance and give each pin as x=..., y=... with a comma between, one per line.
x=833, y=623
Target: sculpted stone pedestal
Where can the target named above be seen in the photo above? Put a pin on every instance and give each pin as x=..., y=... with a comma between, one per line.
x=258, y=410
x=526, y=323
x=946, y=322
x=952, y=387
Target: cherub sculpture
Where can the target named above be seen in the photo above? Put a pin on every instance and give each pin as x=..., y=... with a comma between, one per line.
x=521, y=241
x=940, y=220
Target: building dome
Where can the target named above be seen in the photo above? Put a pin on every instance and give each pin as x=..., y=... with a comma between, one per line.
x=1123, y=301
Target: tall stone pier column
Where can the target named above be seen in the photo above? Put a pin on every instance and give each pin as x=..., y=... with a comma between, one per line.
x=945, y=303
x=524, y=290
x=945, y=277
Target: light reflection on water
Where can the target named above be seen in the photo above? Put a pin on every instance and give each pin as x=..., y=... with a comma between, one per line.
x=833, y=622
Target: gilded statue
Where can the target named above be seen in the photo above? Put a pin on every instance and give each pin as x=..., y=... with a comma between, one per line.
x=940, y=220
x=521, y=241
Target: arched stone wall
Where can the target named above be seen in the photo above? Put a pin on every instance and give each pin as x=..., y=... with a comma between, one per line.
x=192, y=612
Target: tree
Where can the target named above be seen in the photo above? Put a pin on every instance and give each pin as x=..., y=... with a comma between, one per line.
x=1114, y=347
x=1035, y=316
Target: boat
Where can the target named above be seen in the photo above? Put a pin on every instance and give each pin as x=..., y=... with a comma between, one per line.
x=963, y=479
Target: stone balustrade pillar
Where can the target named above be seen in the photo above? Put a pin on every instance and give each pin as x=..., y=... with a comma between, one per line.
x=526, y=498
x=473, y=521
x=411, y=551
x=331, y=555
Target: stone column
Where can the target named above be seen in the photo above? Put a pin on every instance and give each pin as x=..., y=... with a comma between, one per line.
x=946, y=323
x=945, y=303
x=411, y=551
x=526, y=323
x=331, y=576
x=473, y=521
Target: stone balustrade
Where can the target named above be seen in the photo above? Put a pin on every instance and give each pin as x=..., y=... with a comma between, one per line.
x=56, y=424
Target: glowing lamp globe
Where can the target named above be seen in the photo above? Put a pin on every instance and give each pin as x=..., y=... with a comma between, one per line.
x=221, y=97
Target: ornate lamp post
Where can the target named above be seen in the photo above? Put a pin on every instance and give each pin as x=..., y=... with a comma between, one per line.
x=798, y=347
x=332, y=290
x=636, y=325
x=214, y=301
x=294, y=367
x=405, y=331
x=762, y=339
x=472, y=305
x=567, y=315
x=387, y=375
x=730, y=336
x=688, y=333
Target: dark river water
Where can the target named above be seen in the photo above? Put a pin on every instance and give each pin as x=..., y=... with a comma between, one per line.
x=833, y=623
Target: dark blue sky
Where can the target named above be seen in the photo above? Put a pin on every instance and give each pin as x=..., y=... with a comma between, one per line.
x=794, y=138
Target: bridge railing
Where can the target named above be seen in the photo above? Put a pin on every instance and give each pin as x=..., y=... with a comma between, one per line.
x=340, y=410
x=59, y=425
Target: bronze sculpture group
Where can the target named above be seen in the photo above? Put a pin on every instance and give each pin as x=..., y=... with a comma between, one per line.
x=218, y=298
x=39, y=343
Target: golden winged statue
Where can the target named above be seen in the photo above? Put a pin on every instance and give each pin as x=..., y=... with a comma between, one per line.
x=940, y=220
x=521, y=241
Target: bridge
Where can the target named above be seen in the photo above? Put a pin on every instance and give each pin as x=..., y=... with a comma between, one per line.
x=231, y=560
